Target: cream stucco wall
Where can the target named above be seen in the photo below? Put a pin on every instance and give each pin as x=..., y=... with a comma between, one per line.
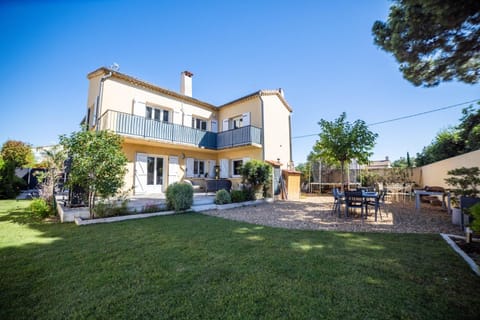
x=119, y=95
x=276, y=130
x=434, y=174
x=252, y=105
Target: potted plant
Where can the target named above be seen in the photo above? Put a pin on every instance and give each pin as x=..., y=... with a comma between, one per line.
x=465, y=183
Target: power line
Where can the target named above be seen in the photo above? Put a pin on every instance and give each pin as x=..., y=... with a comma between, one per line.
x=403, y=117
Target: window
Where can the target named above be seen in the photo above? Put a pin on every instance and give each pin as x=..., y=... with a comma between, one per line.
x=199, y=124
x=236, y=122
x=198, y=167
x=236, y=166
x=154, y=171
x=157, y=114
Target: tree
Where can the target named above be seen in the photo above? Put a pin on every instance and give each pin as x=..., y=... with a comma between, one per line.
x=433, y=40
x=53, y=164
x=17, y=153
x=340, y=142
x=469, y=128
x=14, y=154
x=257, y=174
x=97, y=163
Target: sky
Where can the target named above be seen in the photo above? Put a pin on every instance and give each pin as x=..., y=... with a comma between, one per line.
x=321, y=53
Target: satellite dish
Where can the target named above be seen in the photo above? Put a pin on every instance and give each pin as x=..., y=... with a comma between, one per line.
x=115, y=66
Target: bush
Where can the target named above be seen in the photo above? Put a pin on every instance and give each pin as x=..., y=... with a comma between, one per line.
x=237, y=196
x=257, y=174
x=475, y=213
x=106, y=209
x=222, y=197
x=179, y=196
x=41, y=208
x=246, y=194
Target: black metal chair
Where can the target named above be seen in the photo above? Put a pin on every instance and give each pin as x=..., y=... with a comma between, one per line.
x=353, y=199
x=377, y=203
x=338, y=200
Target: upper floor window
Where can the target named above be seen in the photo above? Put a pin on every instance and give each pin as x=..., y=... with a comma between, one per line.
x=157, y=114
x=200, y=124
x=237, y=122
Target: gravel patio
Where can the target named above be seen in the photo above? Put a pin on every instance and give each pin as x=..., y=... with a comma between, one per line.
x=314, y=213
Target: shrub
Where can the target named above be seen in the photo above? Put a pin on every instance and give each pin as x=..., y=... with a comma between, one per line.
x=475, y=213
x=222, y=197
x=107, y=209
x=179, y=196
x=41, y=208
x=248, y=193
x=256, y=174
x=237, y=196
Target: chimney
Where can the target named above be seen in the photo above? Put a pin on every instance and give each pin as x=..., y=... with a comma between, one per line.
x=186, y=83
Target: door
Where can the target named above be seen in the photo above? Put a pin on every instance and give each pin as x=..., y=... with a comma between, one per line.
x=277, y=174
x=173, y=170
x=149, y=173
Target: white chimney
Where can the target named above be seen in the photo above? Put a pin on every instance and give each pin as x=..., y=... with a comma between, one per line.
x=186, y=83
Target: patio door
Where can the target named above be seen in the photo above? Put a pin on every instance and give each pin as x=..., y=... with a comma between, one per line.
x=149, y=173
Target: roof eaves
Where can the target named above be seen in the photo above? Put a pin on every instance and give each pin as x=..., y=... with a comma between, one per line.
x=102, y=70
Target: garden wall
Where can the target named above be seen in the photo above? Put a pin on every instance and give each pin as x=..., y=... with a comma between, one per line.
x=434, y=174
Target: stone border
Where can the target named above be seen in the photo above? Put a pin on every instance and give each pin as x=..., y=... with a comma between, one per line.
x=199, y=208
x=457, y=249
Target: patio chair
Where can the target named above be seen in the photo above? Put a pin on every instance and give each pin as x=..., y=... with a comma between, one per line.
x=337, y=201
x=353, y=199
x=378, y=203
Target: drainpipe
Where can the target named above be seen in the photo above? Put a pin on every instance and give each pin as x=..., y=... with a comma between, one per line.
x=100, y=98
x=263, y=126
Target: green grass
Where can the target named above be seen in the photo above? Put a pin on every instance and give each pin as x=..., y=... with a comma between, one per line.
x=192, y=266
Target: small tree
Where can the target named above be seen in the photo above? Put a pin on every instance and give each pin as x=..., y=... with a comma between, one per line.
x=465, y=181
x=257, y=174
x=97, y=163
x=14, y=154
x=340, y=142
x=53, y=163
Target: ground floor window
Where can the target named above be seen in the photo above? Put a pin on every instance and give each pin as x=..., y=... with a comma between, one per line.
x=154, y=171
x=236, y=166
x=198, y=167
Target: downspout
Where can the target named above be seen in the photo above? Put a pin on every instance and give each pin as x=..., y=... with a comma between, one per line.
x=100, y=98
x=263, y=126
x=290, y=137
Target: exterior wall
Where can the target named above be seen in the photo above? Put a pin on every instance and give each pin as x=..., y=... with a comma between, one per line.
x=252, y=105
x=276, y=133
x=131, y=149
x=435, y=173
x=119, y=95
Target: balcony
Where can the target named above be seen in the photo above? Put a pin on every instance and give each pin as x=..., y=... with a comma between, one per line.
x=137, y=126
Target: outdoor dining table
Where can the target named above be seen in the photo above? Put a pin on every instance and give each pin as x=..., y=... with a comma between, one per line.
x=366, y=195
x=419, y=193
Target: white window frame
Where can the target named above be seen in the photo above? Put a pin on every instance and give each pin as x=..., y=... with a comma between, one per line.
x=161, y=112
x=197, y=123
x=196, y=168
x=236, y=122
x=233, y=167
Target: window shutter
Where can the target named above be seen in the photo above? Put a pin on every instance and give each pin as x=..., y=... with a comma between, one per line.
x=189, y=169
x=211, y=169
x=214, y=126
x=225, y=125
x=139, y=108
x=187, y=120
x=246, y=119
x=177, y=117
x=140, y=173
x=224, y=172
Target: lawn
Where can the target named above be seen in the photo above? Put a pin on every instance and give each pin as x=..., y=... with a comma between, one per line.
x=192, y=266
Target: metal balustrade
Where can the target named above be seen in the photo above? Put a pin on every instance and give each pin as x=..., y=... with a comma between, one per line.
x=137, y=126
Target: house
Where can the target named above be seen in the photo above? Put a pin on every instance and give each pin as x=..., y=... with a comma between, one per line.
x=171, y=136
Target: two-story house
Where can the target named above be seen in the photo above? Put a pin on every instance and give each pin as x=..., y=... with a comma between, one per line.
x=170, y=136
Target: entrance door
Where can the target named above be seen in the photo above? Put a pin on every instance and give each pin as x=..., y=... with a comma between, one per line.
x=172, y=170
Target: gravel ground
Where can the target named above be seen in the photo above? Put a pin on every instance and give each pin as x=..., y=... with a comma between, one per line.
x=314, y=213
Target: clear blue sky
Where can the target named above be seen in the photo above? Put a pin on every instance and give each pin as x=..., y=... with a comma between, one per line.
x=320, y=52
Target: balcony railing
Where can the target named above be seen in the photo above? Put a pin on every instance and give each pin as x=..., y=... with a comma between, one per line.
x=137, y=126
